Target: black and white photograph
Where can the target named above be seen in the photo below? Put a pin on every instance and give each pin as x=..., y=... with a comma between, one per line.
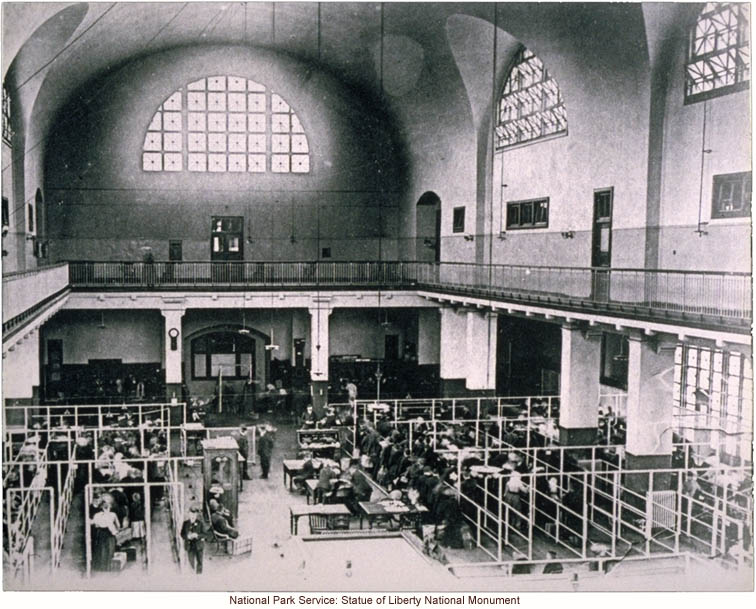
x=436, y=303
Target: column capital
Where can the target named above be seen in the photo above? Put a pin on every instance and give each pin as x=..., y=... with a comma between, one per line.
x=320, y=310
x=173, y=312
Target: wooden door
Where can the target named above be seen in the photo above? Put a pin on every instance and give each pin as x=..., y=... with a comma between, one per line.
x=601, y=251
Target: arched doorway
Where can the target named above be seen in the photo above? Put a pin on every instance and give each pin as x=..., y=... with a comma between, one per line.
x=428, y=228
x=229, y=354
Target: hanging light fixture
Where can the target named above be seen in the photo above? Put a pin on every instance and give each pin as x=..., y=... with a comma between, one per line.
x=272, y=346
x=244, y=329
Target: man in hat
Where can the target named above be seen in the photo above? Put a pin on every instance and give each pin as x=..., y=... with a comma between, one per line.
x=243, y=442
x=221, y=520
x=193, y=533
x=265, y=449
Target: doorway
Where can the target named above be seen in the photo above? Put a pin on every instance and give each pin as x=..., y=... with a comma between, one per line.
x=428, y=228
x=601, y=248
x=227, y=238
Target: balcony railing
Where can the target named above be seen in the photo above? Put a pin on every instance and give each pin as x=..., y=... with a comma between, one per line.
x=25, y=292
x=716, y=298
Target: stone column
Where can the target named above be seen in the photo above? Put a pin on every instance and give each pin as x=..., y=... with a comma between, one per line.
x=481, y=351
x=173, y=336
x=649, y=409
x=453, y=351
x=579, y=390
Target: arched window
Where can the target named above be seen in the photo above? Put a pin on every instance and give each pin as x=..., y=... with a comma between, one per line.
x=225, y=124
x=7, y=130
x=531, y=106
x=718, y=57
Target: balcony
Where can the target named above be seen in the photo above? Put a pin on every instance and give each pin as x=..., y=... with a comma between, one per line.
x=719, y=300
x=26, y=293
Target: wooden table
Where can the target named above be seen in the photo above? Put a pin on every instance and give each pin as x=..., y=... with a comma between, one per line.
x=375, y=510
x=291, y=467
x=297, y=511
x=310, y=486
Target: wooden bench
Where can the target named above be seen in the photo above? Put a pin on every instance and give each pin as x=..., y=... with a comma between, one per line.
x=297, y=511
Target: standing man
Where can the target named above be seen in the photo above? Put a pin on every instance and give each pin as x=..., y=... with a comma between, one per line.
x=193, y=534
x=243, y=442
x=265, y=449
x=351, y=388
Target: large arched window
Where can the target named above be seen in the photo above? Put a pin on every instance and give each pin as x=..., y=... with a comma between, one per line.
x=225, y=124
x=531, y=105
x=718, y=56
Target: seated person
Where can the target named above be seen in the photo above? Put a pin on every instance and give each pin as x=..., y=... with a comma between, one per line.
x=360, y=485
x=310, y=469
x=308, y=420
x=330, y=420
x=552, y=567
x=220, y=518
x=326, y=478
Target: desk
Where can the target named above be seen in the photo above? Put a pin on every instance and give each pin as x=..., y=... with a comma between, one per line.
x=297, y=511
x=291, y=467
x=310, y=486
x=379, y=510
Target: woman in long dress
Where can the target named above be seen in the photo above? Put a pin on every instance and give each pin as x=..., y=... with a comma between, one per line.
x=104, y=531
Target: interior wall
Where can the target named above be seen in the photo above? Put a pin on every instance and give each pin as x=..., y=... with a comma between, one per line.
x=132, y=336
x=102, y=205
x=605, y=85
x=687, y=177
x=361, y=331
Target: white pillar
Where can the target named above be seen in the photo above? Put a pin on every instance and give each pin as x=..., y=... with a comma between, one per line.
x=173, y=357
x=453, y=344
x=481, y=350
x=319, y=342
x=428, y=336
x=21, y=373
x=579, y=386
x=649, y=400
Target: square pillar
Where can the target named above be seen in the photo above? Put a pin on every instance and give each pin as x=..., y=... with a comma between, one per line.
x=579, y=386
x=173, y=339
x=21, y=368
x=649, y=412
x=481, y=350
x=649, y=399
x=428, y=337
x=453, y=347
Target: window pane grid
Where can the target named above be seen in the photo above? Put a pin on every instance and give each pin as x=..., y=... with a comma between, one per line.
x=533, y=213
x=718, y=54
x=531, y=106
x=225, y=124
x=716, y=388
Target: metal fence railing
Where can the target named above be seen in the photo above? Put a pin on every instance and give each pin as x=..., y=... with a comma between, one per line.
x=721, y=296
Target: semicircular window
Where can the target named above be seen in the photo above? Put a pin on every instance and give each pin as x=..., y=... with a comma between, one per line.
x=531, y=106
x=225, y=124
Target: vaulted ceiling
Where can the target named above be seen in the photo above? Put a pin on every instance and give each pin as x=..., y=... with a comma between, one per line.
x=372, y=47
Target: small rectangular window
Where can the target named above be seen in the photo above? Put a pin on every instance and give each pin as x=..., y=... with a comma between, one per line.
x=533, y=213
x=731, y=195
x=6, y=212
x=30, y=227
x=458, y=220
x=326, y=252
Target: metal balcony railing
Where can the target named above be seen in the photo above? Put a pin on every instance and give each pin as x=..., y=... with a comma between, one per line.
x=721, y=297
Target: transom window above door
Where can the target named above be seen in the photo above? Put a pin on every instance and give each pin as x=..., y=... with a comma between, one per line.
x=225, y=124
